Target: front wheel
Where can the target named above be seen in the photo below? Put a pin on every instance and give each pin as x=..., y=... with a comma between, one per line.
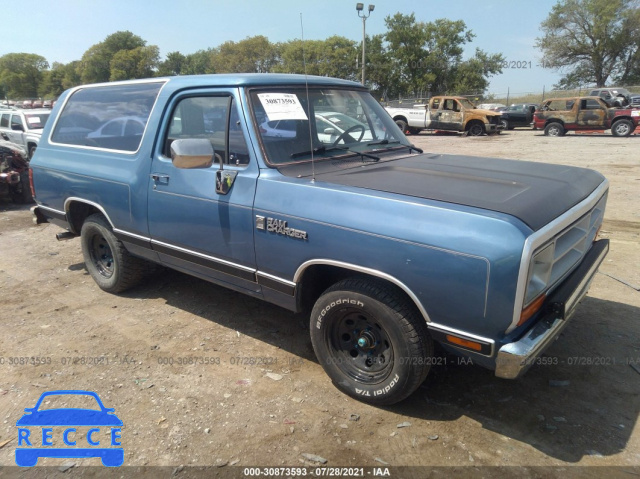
x=622, y=128
x=476, y=129
x=370, y=341
x=107, y=260
x=505, y=124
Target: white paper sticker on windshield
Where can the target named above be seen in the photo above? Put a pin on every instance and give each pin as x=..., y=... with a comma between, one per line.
x=282, y=106
x=33, y=120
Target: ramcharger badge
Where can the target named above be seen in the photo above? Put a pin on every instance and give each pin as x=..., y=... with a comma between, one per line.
x=280, y=227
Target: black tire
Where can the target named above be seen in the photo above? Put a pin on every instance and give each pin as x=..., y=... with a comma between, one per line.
x=622, y=128
x=475, y=129
x=414, y=131
x=554, y=129
x=370, y=341
x=107, y=260
x=505, y=125
x=403, y=126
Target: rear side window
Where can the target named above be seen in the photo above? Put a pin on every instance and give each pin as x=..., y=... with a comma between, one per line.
x=112, y=117
x=4, y=122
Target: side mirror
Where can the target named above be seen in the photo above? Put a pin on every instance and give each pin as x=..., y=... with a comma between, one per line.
x=192, y=153
x=330, y=131
x=224, y=181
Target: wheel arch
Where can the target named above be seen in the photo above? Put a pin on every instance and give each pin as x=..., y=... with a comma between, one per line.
x=313, y=277
x=618, y=118
x=401, y=117
x=78, y=210
x=473, y=121
x=553, y=120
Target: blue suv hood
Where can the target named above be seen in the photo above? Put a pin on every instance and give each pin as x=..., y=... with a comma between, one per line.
x=536, y=193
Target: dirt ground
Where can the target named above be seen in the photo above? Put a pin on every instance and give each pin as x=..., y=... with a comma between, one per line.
x=201, y=376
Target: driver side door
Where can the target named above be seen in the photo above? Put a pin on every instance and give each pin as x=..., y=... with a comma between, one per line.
x=192, y=227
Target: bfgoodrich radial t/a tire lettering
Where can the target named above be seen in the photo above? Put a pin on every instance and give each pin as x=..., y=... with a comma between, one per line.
x=370, y=341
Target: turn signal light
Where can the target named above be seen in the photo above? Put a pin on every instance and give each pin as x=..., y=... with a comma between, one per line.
x=464, y=343
x=532, y=309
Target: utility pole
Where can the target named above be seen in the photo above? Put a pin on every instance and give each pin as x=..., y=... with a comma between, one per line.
x=361, y=14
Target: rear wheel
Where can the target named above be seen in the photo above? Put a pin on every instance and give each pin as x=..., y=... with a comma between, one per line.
x=554, y=129
x=622, y=128
x=107, y=260
x=403, y=126
x=370, y=341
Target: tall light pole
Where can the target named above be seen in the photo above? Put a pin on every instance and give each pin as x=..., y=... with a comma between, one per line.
x=361, y=14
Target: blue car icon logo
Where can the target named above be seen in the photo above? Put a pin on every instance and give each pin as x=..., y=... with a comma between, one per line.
x=69, y=432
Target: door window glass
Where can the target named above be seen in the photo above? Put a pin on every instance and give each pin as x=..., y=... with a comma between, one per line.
x=207, y=117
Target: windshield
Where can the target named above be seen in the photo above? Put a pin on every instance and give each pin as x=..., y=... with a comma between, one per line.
x=344, y=122
x=36, y=120
x=466, y=104
x=621, y=91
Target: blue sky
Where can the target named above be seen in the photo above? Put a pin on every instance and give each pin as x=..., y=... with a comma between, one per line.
x=63, y=30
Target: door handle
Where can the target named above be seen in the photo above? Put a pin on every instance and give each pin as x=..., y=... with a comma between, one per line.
x=159, y=178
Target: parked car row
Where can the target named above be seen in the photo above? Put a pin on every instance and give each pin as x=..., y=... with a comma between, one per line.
x=28, y=104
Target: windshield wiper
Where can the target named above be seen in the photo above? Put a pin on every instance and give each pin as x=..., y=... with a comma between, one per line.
x=319, y=150
x=411, y=147
x=382, y=142
x=324, y=149
x=366, y=155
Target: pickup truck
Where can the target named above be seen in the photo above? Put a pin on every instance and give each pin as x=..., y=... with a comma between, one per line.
x=559, y=115
x=447, y=113
x=517, y=115
x=386, y=248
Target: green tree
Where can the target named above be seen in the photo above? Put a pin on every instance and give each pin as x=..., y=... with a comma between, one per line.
x=417, y=58
x=592, y=41
x=381, y=76
x=336, y=56
x=199, y=63
x=251, y=55
x=138, y=62
x=21, y=74
x=173, y=65
x=96, y=64
x=58, y=79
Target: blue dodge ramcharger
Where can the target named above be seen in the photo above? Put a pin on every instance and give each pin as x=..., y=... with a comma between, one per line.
x=303, y=192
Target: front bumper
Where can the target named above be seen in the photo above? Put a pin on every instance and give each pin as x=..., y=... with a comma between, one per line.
x=515, y=358
x=492, y=128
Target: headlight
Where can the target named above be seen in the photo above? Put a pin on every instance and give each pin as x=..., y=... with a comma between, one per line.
x=539, y=273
